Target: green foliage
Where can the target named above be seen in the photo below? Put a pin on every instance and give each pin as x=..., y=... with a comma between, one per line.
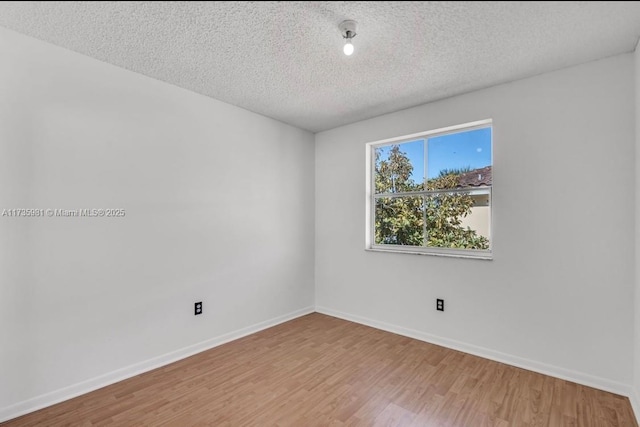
x=454, y=171
x=401, y=220
x=393, y=175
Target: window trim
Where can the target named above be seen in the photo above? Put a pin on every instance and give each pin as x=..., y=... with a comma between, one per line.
x=370, y=196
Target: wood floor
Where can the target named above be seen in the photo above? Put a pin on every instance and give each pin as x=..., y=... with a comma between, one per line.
x=321, y=371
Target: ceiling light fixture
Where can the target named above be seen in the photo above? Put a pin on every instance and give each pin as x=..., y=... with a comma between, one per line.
x=348, y=29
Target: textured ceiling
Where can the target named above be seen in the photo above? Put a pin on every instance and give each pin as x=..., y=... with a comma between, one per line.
x=285, y=60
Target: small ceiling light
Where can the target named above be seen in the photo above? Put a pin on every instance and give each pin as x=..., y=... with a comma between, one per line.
x=348, y=29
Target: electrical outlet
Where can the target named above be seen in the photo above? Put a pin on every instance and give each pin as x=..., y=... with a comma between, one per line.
x=440, y=304
x=198, y=308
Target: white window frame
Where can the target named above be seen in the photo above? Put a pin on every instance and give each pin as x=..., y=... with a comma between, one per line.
x=371, y=196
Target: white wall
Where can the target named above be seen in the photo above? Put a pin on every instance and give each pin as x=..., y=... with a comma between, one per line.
x=219, y=208
x=635, y=396
x=558, y=296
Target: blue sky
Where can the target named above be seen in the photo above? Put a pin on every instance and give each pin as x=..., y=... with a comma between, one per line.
x=464, y=149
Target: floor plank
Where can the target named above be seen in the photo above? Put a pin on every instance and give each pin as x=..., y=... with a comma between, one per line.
x=321, y=371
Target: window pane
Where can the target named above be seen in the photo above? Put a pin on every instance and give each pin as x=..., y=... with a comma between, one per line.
x=458, y=220
x=432, y=194
x=460, y=160
x=399, y=221
x=400, y=167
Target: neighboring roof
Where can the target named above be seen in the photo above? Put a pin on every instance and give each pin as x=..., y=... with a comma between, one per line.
x=476, y=178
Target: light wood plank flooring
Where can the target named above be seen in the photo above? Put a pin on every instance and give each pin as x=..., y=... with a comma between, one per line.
x=321, y=371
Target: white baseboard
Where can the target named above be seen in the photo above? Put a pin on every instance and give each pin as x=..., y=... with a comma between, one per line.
x=92, y=384
x=634, y=398
x=520, y=362
x=87, y=386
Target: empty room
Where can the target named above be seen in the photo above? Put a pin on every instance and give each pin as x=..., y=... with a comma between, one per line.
x=284, y=213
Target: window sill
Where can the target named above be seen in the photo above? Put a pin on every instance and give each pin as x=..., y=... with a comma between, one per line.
x=484, y=257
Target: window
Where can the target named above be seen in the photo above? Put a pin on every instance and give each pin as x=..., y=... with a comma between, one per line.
x=431, y=192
